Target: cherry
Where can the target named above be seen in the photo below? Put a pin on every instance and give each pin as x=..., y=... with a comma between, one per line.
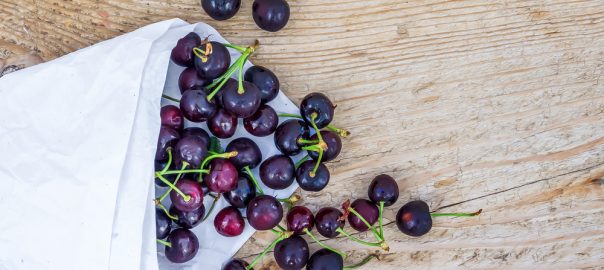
x=367, y=210
x=277, y=172
x=300, y=218
x=230, y=83
x=222, y=176
x=328, y=220
x=196, y=107
x=192, y=150
x=319, y=105
x=162, y=224
x=334, y=146
x=217, y=60
x=241, y=103
x=221, y=10
x=168, y=137
x=414, y=218
x=189, y=219
x=312, y=183
x=384, y=189
x=264, y=212
x=325, y=259
x=223, y=124
x=236, y=264
x=193, y=192
x=199, y=132
x=189, y=79
x=183, y=246
x=287, y=135
x=182, y=53
x=270, y=15
x=159, y=165
x=248, y=153
x=265, y=80
x=243, y=193
x=172, y=117
x=262, y=123
x=292, y=253
x=229, y=222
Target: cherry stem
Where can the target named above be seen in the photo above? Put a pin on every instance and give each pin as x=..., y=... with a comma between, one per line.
x=165, y=243
x=281, y=228
x=380, y=220
x=302, y=160
x=276, y=232
x=213, y=156
x=251, y=175
x=361, y=263
x=183, y=171
x=456, y=214
x=238, y=48
x=342, y=132
x=171, y=98
x=160, y=205
x=293, y=199
x=184, y=165
x=351, y=237
x=282, y=236
x=169, y=150
x=303, y=141
x=212, y=153
x=172, y=186
x=311, y=235
x=377, y=235
x=241, y=90
x=314, y=171
x=218, y=83
x=212, y=207
x=313, y=116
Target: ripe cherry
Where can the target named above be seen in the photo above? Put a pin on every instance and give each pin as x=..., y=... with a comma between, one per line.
x=287, y=135
x=172, y=117
x=414, y=218
x=266, y=81
x=236, y=264
x=312, y=183
x=367, y=210
x=217, y=60
x=194, y=194
x=262, y=123
x=319, y=105
x=292, y=253
x=192, y=150
x=195, y=131
x=196, y=107
x=182, y=53
x=183, y=246
x=384, y=189
x=221, y=10
x=222, y=176
x=334, y=146
x=229, y=222
x=248, y=153
x=222, y=124
x=300, y=218
x=264, y=212
x=189, y=219
x=328, y=220
x=277, y=172
x=168, y=137
x=270, y=15
x=163, y=224
x=325, y=259
x=241, y=103
x=189, y=79
x=243, y=193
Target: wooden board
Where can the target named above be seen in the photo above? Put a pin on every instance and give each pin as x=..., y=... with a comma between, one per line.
x=474, y=104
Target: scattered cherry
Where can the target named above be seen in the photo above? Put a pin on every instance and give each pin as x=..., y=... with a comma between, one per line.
x=163, y=224
x=236, y=264
x=383, y=188
x=192, y=150
x=292, y=253
x=325, y=259
x=328, y=220
x=191, y=189
x=264, y=212
x=189, y=79
x=243, y=193
x=414, y=218
x=287, y=135
x=182, y=53
x=265, y=80
x=183, y=246
x=229, y=222
x=319, y=105
x=196, y=107
x=367, y=210
x=334, y=146
x=172, y=117
x=222, y=124
x=262, y=123
x=248, y=153
x=221, y=10
x=300, y=218
x=270, y=15
x=222, y=176
x=217, y=61
x=277, y=172
x=312, y=183
x=241, y=103
x=168, y=137
x=189, y=219
x=199, y=132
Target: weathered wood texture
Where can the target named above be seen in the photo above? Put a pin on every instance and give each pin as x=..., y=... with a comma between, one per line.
x=475, y=104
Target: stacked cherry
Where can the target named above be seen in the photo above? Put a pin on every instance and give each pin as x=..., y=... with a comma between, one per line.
x=269, y=15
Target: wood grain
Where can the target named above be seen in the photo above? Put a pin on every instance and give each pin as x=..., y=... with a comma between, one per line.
x=469, y=104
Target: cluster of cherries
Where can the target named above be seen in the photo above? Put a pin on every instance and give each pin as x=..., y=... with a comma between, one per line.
x=269, y=15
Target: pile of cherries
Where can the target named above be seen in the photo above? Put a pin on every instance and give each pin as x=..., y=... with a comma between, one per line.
x=269, y=15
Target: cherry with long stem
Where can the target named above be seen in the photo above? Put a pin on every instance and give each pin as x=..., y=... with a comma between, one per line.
x=212, y=207
x=340, y=131
x=270, y=247
x=362, y=242
x=457, y=214
x=184, y=166
x=365, y=260
x=185, y=197
x=380, y=219
x=371, y=227
x=312, y=236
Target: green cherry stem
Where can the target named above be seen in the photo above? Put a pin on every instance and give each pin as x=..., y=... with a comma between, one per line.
x=213, y=156
x=290, y=115
x=212, y=207
x=160, y=205
x=456, y=214
x=184, y=165
x=171, y=98
x=355, y=239
x=380, y=220
x=238, y=48
x=302, y=160
x=304, y=141
x=172, y=186
x=281, y=228
x=313, y=116
x=372, y=228
x=165, y=243
x=251, y=175
x=267, y=249
x=276, y=232
x=312, y=236
x=165, y=169
x=184, y=171
x=342, y=132
x=361, y=263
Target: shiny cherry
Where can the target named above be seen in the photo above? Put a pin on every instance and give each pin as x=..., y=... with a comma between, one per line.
x=191, y=189
x=383, y=188
x=217, y=62
x=308, y=182
x=168, y=137
x=163, y=224
x=243, y=104
x=264, y=212
x=262, y=123
x=299, y=218
x=236, y=264
x=182, y=53
x=270, y=15
x=230, y=83
x=222, y=176
x=229, y=222
x=319, y=105
x=191, y=149
x=291, y=253
x=221, y=10
x=277, y=172
x=189, y=79
x=196, y=107
x=199, y=132
x=325, y=259
x=328, y=220
x=172, y=117
x=189, y=219
x=183, y=246
x=367, y=210
x=243, y=193
x=287, y=135
x=222, y=124
x=248, y=153
x=334, y=146
x=265, y=80
x=414, y=218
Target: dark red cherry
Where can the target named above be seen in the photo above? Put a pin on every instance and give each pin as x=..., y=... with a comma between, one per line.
x=414, y=218
x=325, y=259
x=236, y=264
x=168, y=137
x=160, y=165
x=334, y=146
x=277, y=172
x=189, y=219
x=287, y=135
x=183, y=246
x=243, y=193
x=190, y=188
x=221, y=10
x=230, y=83
x=328, y=220
x=300, y=218
x=182, y=53
x=223, y=124
x=383, y=188
x=308, y=182
x=367, y=210
x=243, y=104
x=292, y=253
x=189, y=79
x=229, y=222
x=265, y=80
x=248, y=153
x=320, y=105
x=195, y=131
x=270, y=15
x=163, y=224
x=191, y=149
x=217, y=62
x=172, y=117
x=222, y=177
x=262, y=123
x=196, y=107
x=264, y=212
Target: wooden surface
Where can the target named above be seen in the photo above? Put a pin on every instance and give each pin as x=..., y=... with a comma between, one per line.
x=496, y=105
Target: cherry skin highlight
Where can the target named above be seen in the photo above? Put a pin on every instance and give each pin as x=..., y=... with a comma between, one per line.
x=221, y=10
x=172, y=117
x=190, y=188
x=195, y=106
x=262, y=123
x=292, y=253
x=266, y=81
x=168, y=137
x=222, y=177
x=229, y=222
x=277, y=172
x=367, y=210
x=190, y=149
x=245, y=191
x=300, y=218
x=243, y=104
x=270, y=15
x=182, y=53
x=248, y=153
x=328, y=220
x=317, y=104
x=414, y=218
x=223, y=124
x=184, y=246
x=383, y=188
x=264, y=212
